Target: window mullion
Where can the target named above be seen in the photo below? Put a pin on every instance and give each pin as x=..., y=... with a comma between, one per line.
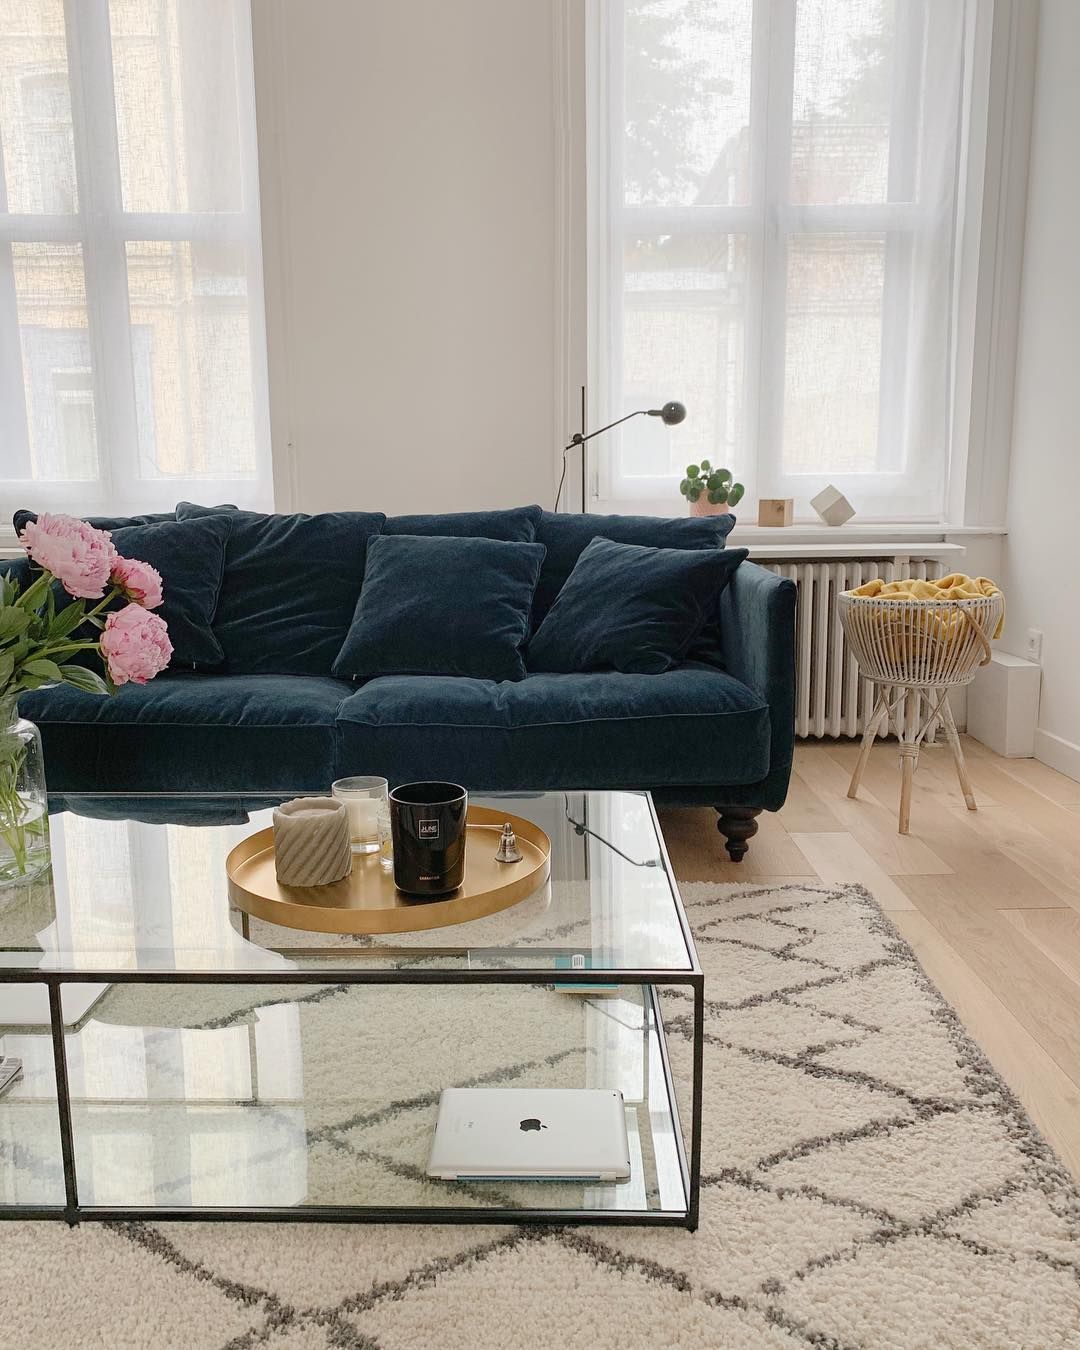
x=97, y=163
x=14, y=431
x=777, y=32
x=900, y=246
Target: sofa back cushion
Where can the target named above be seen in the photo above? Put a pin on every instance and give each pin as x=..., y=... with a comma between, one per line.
x=290, y=587
x=518, y=524
x=22, y=517
x=566, y=536
x=442, y=606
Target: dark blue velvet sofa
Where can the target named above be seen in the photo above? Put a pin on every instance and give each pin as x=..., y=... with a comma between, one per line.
x=717, y=730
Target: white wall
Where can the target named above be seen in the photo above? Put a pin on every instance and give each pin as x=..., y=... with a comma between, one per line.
x=414, y=174
x=1042, y=552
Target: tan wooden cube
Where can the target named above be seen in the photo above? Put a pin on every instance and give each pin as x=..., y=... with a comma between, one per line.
x=776, y=511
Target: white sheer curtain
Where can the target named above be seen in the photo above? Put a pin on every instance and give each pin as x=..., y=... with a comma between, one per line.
x=773, y=237
x=132, y=343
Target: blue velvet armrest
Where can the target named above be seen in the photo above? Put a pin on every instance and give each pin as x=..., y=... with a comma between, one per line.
x=757, y=640
x=16, y=568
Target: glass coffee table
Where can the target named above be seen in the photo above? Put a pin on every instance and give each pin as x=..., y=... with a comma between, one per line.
x=175, y=1069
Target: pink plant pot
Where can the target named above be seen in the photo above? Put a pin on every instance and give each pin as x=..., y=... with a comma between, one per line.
x=704, y=507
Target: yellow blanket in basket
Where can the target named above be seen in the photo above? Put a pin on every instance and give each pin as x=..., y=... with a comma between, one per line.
x=956, y=586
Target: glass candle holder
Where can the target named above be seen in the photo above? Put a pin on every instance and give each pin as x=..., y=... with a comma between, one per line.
x=368, y=805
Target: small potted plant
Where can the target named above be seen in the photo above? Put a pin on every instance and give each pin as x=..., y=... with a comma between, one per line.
x=710, y=492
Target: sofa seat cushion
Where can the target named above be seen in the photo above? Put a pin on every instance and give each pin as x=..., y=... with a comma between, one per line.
x=694, y=724
x=198, y=733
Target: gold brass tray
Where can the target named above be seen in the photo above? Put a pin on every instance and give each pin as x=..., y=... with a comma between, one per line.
x=367, y=901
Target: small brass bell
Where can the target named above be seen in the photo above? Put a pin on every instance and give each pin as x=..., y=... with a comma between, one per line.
x=508, y=850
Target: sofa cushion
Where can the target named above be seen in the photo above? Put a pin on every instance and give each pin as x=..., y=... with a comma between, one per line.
x=291, y=585
x=228, y=733
x=694, y=724
x=20, y=518
x=436, y=606
x=565, y=536
x=518, y=525
x=24, y=517
x=630, y=608
x=190, y=555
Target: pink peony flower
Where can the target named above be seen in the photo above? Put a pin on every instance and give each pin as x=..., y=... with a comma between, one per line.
x=138, y=580
x=77, y=555
x=135, y=644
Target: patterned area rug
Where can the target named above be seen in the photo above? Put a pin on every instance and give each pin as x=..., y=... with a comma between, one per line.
x=868, y=1181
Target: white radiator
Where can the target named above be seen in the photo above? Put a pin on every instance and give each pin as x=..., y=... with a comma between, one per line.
x=831, y=699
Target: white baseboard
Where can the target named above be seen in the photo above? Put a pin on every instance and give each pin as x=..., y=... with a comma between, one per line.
x=1059, y=753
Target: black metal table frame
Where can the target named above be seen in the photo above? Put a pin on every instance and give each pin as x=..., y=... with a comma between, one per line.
x=74, y=1212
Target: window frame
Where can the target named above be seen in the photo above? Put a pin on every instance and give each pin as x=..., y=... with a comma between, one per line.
x=768, y=222
x=101, y=228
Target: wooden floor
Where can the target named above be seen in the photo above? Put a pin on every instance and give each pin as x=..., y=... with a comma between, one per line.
x=989, y=900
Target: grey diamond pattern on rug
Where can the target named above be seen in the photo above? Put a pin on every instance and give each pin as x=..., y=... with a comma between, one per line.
x=868, y=1179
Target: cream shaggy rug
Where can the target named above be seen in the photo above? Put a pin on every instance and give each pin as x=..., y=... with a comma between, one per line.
x=868, y=1181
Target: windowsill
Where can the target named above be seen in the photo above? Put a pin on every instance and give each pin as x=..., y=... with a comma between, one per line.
x=814, y=531
x=811, y=532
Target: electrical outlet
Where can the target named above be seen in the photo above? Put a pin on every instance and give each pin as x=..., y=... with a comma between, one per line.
x=1033, y=644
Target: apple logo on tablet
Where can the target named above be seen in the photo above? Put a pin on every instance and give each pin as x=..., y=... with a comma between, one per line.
x=531, y=1123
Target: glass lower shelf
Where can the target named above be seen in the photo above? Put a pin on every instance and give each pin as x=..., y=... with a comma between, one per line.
x=231, y=1098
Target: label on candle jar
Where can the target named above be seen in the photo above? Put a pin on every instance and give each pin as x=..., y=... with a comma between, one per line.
x=427, y=829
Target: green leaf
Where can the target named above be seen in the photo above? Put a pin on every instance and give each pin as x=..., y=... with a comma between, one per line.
x=725, y=474
x=735, y=494
x=13, y=621
x=693, y=471
x=81, y=678
x=35, y=592
x=718, y=497
x=684, y=486
x=694, y=493
x=67, y=620
x=7, y=667
x=705, y=466
x=41, y=665
x=715, y=481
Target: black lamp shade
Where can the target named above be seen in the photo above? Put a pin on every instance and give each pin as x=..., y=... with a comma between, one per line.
x=671, y=413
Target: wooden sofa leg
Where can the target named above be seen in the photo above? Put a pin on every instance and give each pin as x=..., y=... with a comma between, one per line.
x=737, y=824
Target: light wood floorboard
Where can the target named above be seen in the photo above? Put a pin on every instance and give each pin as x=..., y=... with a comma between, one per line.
x=989, y=900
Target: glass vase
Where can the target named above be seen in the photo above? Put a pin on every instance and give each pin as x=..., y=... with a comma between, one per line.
x=24, y=816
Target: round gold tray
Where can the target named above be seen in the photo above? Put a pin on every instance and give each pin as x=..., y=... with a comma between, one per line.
x=367, y=901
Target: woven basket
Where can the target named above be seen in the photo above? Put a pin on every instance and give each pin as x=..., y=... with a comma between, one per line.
x=919, y=644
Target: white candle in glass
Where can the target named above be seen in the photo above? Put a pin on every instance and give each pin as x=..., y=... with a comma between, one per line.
x=363, y=797
x=364, y=819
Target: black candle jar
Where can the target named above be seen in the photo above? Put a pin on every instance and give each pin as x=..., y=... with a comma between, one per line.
x=428, y=824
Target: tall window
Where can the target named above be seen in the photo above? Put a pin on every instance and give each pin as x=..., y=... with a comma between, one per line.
x=773, y=230
x=132, y=345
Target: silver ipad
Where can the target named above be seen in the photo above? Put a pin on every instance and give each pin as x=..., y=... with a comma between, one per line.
x=539, y=1134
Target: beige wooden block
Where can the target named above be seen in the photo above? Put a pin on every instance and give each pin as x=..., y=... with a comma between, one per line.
x=776, y=511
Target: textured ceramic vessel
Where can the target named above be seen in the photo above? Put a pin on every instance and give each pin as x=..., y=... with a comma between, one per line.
x=311, y=842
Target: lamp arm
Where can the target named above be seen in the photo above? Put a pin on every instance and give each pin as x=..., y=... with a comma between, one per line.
x=578, y=439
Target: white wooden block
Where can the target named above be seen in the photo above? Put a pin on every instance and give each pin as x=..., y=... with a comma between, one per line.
x=832, y=506
x=1003, y=705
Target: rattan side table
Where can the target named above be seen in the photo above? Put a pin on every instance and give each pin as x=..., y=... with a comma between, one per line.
x=915, y=651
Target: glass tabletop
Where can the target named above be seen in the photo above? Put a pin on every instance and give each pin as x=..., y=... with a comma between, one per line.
x=138, y=884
